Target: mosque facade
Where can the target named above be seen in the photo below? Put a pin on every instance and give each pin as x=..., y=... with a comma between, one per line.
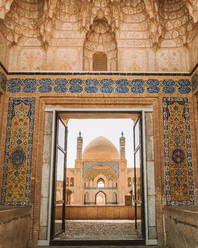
x=101, y=175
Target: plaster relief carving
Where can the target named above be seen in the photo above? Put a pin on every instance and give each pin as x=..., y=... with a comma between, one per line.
x=154, y=22
x=99, y=26
x=30, y=59
x=100, y=38
x=46, y=25
x=67, y=59
x=192, y=6
x=176, y=22
x=4, y=7
x=21, y=21
x=170, y=59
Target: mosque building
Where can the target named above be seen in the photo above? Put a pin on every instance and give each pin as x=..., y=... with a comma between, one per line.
x=101, y=175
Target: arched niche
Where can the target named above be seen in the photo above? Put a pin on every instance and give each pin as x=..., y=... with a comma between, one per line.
x=114, y=198
x=100, y=45
x=86, y=198
x=100, y=198
x=101, y=183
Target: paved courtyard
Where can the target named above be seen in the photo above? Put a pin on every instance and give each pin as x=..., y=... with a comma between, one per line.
x=99, y=230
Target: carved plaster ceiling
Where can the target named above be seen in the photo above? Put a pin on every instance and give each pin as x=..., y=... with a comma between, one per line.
x=160, y=23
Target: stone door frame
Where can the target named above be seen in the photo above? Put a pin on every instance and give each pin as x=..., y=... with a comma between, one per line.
x=149, y=207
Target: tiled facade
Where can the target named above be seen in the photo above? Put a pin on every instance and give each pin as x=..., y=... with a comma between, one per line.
x=103, y=86
x=177, y=152
x=18, y=152
x=160, y=91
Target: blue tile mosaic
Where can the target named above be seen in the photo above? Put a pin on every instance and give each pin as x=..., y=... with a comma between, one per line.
x=91, y=86
x=177, y=151
x=106, y=85
x=168, y=86
x=194, y=81
x=45, y=85
x=29, y=85
x=60, y=85
x=137, y=87
x=184, y=86
x=153, y=86
x=122, y=86
x=76, y=85
x=18, y=152
x=14, y=85
x=3, y=81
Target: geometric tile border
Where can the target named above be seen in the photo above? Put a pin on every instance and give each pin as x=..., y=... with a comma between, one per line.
x=194, y=82
x=18, y=152
x=3, y=81
x=102, y=86
x=177, y=152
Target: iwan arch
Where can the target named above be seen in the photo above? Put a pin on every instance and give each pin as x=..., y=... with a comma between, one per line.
x=144, y=55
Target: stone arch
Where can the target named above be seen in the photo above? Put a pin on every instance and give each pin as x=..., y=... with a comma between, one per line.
x=72, y=181
x=68, y=196
x=98, y=178
x=129, y=181
x=101, y=183
x=100, y=198
x=86, y=198
x=100, y=40
x=114, y=198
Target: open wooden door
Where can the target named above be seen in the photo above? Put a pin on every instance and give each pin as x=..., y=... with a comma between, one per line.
x=59, y=183
x=138, y=178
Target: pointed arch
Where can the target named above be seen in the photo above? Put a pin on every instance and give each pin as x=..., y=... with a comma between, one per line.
x=100, y=198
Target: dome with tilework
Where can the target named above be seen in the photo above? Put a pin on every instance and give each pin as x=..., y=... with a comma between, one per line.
x=100, y=149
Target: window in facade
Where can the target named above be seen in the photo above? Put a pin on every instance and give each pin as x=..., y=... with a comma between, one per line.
x=129, y=181
x=67, y=181
x=101, y=183
x=71, y=181
x=99, y=62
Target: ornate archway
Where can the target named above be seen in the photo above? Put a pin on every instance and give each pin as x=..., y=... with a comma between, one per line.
x=100, y=198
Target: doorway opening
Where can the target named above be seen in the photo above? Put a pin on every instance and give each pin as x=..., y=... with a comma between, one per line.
x=98, y=188
x=100, y=198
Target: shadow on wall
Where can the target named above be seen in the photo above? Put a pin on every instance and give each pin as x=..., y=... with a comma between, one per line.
x=14, y=226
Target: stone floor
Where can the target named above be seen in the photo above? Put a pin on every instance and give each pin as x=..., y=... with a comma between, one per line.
x=100, y=230
x=100, y=246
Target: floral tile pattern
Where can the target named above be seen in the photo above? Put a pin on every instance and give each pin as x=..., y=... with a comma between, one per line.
x=91, y=86
x=60, y=85
x=177, y=152
x=194, y=81
x=168, y=86
x=3, y=81
x=45, y=85
x=14, y=85
x=29, y=85
x=18, y=152
x=100, y=86
x=153, y=86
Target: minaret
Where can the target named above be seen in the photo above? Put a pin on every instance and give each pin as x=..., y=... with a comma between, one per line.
x=122, y=146
x=79, y=146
